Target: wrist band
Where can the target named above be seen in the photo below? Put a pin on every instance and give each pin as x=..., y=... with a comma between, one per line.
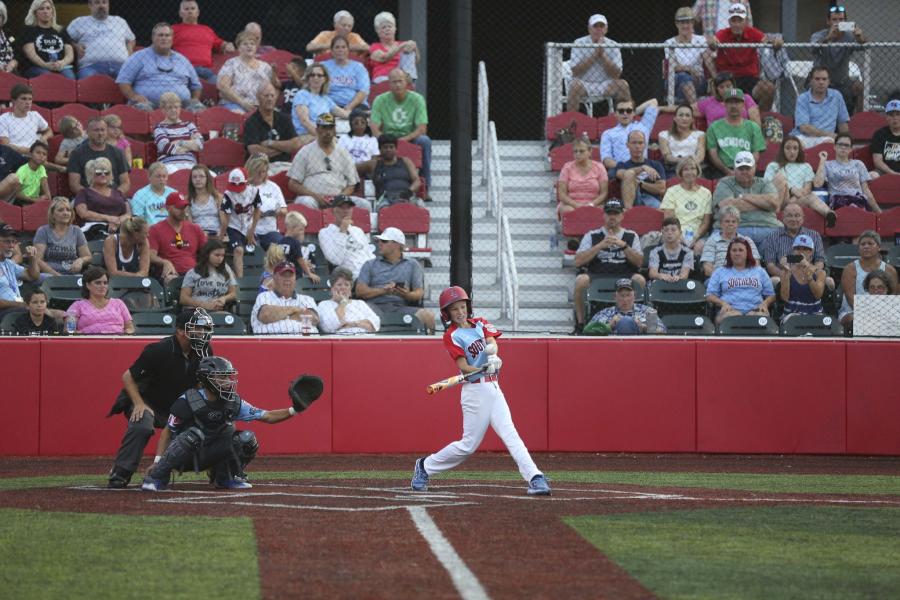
x=292, y=411
x=156, y=459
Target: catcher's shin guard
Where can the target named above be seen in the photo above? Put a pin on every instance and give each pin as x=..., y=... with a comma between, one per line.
x=245, y=447
x=180, y=452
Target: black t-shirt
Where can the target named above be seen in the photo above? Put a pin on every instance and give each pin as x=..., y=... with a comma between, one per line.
x=289, y=90
x=48, y=43
x=887, y=145
x=23, y=325
x=163, y=372
x=256, y=131
x=293, y=250
x=10, y=161
x=81, y=155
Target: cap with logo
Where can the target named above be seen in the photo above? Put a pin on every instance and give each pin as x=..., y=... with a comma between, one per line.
x=734, y=94
x=744, y=159
x=737, y=10
x=804, y=241
x=613, y=205
x=237, y=180
x=892, y=106
x=325, y=120
x=340, y=200
x=284, y=266
x=624, y=283
x=177, y=200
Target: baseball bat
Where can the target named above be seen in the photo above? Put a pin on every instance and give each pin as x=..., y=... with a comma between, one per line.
x=450, y=382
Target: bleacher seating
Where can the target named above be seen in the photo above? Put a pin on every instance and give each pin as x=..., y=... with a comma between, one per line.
x=770, y=154
x=663, y=122
x=889, y=223
x=838, y=256
x=886, y=190
x=179, y=180
x=139, y=178
x=154, y=323
x=134, y=121
x=812, y=326
x=642, y=219
x=863, y=125
x=222, y=152
x=414, y=221
x=209, y=92
x=99, y=89
x=54, y=88
x=216, y=117
x=864, y=154
x=411, y=151
x=11, y=215
x=62, y=290
x=34, y=215
x=694, y=324
x=279, y=59
x=811, y=220
x=399, y=324
x=560, y=155
x=602, y=293
x=578, y=222
x=673, y=297
x=228, y=324
x=787, y=121
x=314, y=221
x=122, y=286
x=748, y=325
x=851, y=221
x=7, y=82
x=79, y=111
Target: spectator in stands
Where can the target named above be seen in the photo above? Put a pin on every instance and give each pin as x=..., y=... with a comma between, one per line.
x=342, y=314
x=296, y=69
x=793, y=178
x=127, y=252
x=270, y=132
x=733, y=134
x=349, y=79
x=885, y=144
x=282, y=310
x=205, y=202
x=609, y=251
x=681, y=140
x=820, y=113
x=715, y=251
x=33, y=175
x=10, y=161
x=626, y=317
x=802, y=283
x=242, y=76
x=241, y=205
x=671, y=260
x=395, y=177
x=780, y=244
x=847, y=178
x=688, y=63
x=756, y=198
x=614, y=141
x=96, y=313
x=877, y=283
x=583, y=181
x=690, y=203
x=360, y=142
x=11, y=272
x=150, y=72
x=21, y=127
x=211, y=284
x=837, y=58
x=744, y=62
x=177, y=142
x=61, y=248
x=116, y=137
x=388, y=54
x=596, y=71
x=403, y=113
x=271, y=200
x=96, y=147
x=713, y=108
x=73, y=134
x=174, y=242
x=197, y=42
x=643, y=180
x=854, y=275
x=343, y=26
x=312, y=102
x=293, y=244
x=712, y=15
x=103, y=42
x=100, y=207
x=741, y=287
x=323, y=170
x=36, y=321
x=274, y=255
x=343, y=243
x=46, y=47
x=392, y=283
x=8, y=62
x=149, y=202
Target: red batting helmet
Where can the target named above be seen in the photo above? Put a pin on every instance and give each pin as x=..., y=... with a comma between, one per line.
x=453, y=294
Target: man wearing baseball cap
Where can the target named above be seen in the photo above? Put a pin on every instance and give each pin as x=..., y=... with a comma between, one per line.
x=175, y=241
x=628, y=317
x=391, y=283
x=713, y=14
x=780, y=244
x=754, y=197
x=343, y=243
x=885, y=144
x=687, y=63
x=726, y=137
x=282, y=310
x=10, y=271
x=596, y=71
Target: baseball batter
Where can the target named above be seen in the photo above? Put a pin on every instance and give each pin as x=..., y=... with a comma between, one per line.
x=472, y=343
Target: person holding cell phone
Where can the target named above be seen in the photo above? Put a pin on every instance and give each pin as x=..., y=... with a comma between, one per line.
x=802, y=281
x=836, y=57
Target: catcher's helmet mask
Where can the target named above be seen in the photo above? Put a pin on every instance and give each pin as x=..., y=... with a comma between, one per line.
x=218, y=374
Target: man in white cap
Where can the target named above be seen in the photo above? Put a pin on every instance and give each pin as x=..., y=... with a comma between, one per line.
x=596, y=71
x=713, y=14
x=394, y=284
x=754, y=197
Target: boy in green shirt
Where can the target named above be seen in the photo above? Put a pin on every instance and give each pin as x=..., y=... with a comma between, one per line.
x=33, y=176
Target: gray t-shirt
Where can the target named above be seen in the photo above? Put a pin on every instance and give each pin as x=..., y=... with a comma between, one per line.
x=845, y=179
x=378, y=272
x=728, y=187
x=211, y=287
x=61, y=251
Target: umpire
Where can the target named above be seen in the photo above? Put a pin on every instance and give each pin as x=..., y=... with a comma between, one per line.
x=163, y=372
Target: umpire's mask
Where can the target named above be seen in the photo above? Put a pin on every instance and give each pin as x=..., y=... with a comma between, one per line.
x=199, y=329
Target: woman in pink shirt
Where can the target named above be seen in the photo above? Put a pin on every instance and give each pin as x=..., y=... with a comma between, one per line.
x=582, y=182
x=387, y=53
x=713, y=107
x=97, y=314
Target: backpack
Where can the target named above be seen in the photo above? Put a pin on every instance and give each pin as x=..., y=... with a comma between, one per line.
x=564, y=136
x=772, y=129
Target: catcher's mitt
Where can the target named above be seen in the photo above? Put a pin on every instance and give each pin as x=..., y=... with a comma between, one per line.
x=304, y=390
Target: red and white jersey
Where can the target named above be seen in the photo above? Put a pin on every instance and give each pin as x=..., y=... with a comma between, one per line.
x=470, y=342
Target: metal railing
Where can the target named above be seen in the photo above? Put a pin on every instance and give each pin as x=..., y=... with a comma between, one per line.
x=483, y=93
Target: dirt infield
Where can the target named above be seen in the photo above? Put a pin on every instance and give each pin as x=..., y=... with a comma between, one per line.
x=374, y=538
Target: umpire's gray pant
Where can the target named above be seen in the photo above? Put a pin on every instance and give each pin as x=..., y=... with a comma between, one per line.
x=136, y=437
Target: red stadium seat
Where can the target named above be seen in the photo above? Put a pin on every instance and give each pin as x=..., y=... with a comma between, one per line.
x=812, y=154
x=361, y=218
x=811, y=220
x=7, y=81
x=11, y=215
x=886, y=190
x=35, y=215
x=411, y=151
x=54, y=88
x=54, y=143
x=583, y=125
x=210, y=92
x=642, y=219
x=179, y=180
x=889, y=223
x=222, y=152
x=377, y=89
x=709, y=184
x=99, y=89
x=576, y=223
x=213, y=119
x=146, y=151
x=787, y=121
x=79, y=111
x=279, y=60
x=864, y=154
x=863, y=125
x=614, y=188
x=851, y=221
x=768, y=155
x=139, y=178
x=414, y=221
x=700, y=122
x=59, y=185
x=220, y=59
x=221, y=181
x=314, y=220
x=157, y=116
x=134, y=121
x=560, y=155
x=281, y=180
x=663, y=122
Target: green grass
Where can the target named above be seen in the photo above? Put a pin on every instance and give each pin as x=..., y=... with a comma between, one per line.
x=73, y=555
x=766, y=553
x=752, y=482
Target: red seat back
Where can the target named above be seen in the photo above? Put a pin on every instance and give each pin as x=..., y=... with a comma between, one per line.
x=99, y=89
x=222, y=152
x=35, y=215
x=361, y=218
x=11, y=215
x=139, y=178
x=889, y=223
x=314, y=218
x=281, y=180
x=768, y=155
x=53, y=87
x=7, y=81
x=216, y=117
x=811, y=220
x=134, y=121
x=864, y=154
x=408, y=218
x=787, y=121
x=812, y=154
x=643, y=219
x=158, y=116
x=709, y=184
x=577, y=222
x=209, y=92
x=411, y=151
x=863, y=125
x=179, y=180
x=583, y=125
x=560, y=155
x=79, y=111
x=851, y=221
x=886, y=190
x=663, y=122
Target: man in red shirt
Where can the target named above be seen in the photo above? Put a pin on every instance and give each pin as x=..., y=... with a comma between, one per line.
x=197, y=42
x=744, y=62
x=174, y=242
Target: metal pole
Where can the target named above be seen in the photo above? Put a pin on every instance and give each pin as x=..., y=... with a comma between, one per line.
x=461, y=144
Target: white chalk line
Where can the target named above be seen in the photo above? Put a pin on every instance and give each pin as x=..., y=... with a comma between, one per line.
x=463, y=578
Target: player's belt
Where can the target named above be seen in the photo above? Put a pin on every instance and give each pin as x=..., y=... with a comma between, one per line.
x=485, y=379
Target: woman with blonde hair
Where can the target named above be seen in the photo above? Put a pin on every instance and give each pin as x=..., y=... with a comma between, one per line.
x=177, y=142
x=8, y=62
x=127, y=252
x=241, y=77
x=312, y=101
x=101, y=207
x=271, y=200
x=61, y=246
x=46, y=46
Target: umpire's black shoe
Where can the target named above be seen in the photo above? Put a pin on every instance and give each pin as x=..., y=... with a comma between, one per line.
x=118, y=479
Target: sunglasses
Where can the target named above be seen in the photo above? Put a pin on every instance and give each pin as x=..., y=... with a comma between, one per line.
x=179, y=243
x=835, y=9
x=327, y=163
x=101, y=172
x=625, y=111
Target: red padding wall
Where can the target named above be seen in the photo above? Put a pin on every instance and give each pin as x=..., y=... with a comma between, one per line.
x=602, y=395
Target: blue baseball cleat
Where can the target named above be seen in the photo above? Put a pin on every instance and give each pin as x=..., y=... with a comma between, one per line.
x=235, y=483
x=154, y=485
x=538, y=486
x=420, y=477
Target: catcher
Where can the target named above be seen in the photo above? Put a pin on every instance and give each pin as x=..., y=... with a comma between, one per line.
x=201, y=423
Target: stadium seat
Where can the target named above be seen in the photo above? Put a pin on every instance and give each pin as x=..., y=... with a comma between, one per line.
x=313, y=216
x=663, y=122
x=146, y=151
x=209, y=93
x=219, y=59
x=851, y=221
x=414, y=221
x=642, y=219
x=709, y=184
x=700, y=122
x=7, y=81
x=748, y=325
x=893, y=257
x=134, y=290
x=399, y=324
x=157, y=116
x=578, y=222
x=254, y=263
x=377, y=89
x=99, y=89
x=246, y=298
x=79, y=111
x=279, y=59
x=34, y=215
x=812, y=326
x=838, y=256
x=886, y=190
x=139, y=178
x=215, y=118
x=62, y=290
x=361, y=218
x=411, y=151
x=604, y=123
x=54, y=143
x=888, y=223
x=59, y=184
x=864, y=154
x=583, y=125
x=221, y=181
x=863, y=125
x=560, y=155
x=179, y=180
x=602, y=292
x=153, y=323
x=7, y=322
x=54, y=88
x=222, y=152
x=281, y=180
x=670, y=297
x=812, y=154
x=134, y=121
x=173, y=292
x=811, y=220
x=768, y=155
x=688, y=325
x=11, y=215
x=228, y=324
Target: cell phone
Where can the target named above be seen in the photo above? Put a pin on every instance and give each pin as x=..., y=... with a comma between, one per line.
x=793, y=259
x=846, y=26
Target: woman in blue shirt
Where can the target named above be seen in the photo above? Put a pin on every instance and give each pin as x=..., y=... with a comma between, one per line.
x=740, y=287
x=312, y=101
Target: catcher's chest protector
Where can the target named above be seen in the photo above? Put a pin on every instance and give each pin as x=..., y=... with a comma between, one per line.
x=211, y=418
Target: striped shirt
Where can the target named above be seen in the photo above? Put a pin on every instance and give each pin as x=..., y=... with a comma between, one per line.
x=781, y=243
x=284, y=326
x=167, y=135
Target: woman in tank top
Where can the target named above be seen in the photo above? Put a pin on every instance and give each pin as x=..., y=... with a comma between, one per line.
x=128, y=252
x=206, y=201
x=854, y=275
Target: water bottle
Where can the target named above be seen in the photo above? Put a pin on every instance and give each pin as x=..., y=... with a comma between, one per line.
x=305, y=325
x=52, y=56
x=71, y=325
x=651, y=319
x=688, y=236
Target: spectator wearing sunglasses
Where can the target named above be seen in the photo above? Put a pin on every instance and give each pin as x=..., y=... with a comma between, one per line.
x=100, y=207
x=174, y=242
x=836, y=58
x=614, y=141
